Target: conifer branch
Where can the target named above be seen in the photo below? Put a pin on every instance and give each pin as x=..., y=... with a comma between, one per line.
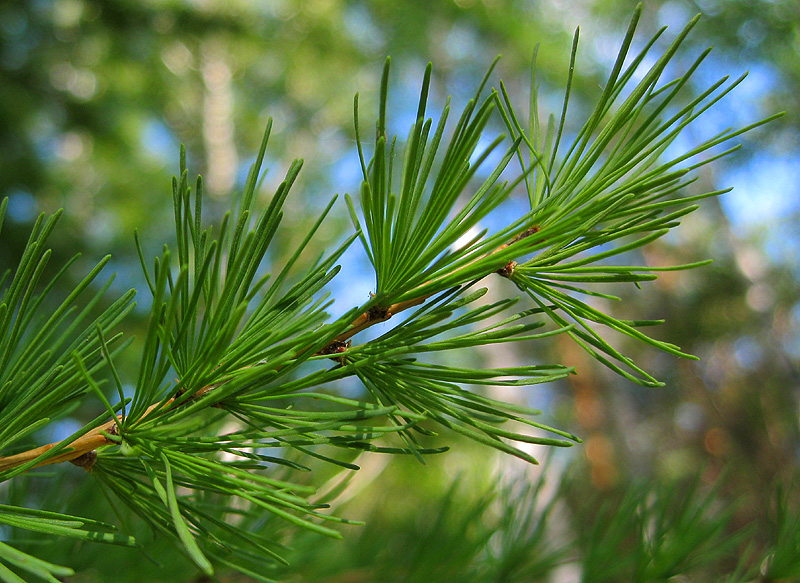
x=102, y=436
x=234, y=339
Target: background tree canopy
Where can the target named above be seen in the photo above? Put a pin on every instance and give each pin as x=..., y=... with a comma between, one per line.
x=97, y=96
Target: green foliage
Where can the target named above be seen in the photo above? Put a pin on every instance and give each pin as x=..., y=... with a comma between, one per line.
x=613, y=183
x=229, y=345
x=535, y=529
x=502, y=534
x=783, y=562
x=654, y=533
x=37, y=375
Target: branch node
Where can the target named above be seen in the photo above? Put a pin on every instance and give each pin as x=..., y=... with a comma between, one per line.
x=378, y=313
x=507, y=270
x=85, y=461
x=526, y=233
x=336, y=347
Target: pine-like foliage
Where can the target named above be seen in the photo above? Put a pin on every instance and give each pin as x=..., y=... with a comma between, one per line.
x=228, y=345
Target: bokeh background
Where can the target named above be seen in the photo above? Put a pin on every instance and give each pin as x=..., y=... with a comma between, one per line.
x=96, y=96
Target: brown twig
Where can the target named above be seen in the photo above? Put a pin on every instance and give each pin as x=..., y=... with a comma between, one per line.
x=83, y=445
x=372, y=317
x=80, y=449
x=376, y=315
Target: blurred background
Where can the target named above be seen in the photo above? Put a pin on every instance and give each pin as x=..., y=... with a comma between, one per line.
x=96, y=96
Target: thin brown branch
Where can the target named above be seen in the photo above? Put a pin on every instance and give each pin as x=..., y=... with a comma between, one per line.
x=368, y=319
x=371, y=318
x=82, y=446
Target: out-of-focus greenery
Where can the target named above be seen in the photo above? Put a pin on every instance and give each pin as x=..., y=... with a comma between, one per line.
x=96, y=96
